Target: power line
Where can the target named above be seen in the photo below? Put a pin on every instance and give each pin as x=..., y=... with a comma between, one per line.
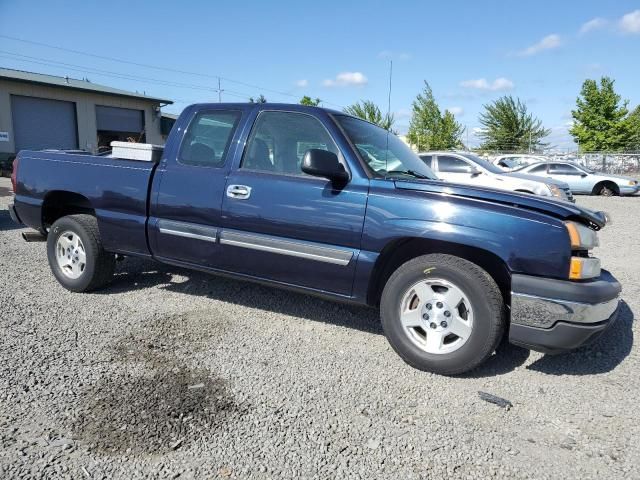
x=157, y=67
x=108, y=73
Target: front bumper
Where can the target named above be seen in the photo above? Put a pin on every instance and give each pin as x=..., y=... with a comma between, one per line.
x=629, y=190
x=554, y=316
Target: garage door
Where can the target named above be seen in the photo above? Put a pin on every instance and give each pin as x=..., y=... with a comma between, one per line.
x=114, y=119
x=43, y=123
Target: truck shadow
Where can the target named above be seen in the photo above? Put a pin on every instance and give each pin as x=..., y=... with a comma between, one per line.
x=602, y=356
x=5, y=221
x=136, y=274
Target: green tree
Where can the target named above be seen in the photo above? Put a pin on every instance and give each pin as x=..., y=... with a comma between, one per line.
x=429, y=128
x=633, y=121
x=260, y=99
x=600, y=117
x=307, y=100
x=508, y=126
x=369, y=111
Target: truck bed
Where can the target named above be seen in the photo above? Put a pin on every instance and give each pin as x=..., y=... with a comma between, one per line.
x=116, y=189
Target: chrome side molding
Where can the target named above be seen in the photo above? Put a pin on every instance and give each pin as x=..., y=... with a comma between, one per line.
x=188, y=230
x=294, y=248
x=256, y=241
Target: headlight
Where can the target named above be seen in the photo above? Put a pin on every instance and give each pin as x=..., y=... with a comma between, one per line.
x=581, y=236
x=633, y=183
x=555, y=191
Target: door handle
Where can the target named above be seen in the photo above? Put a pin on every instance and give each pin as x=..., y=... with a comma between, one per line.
x=238, y=191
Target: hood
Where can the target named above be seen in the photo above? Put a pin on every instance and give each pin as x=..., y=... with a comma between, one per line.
x=536, y=178
x=547, y=205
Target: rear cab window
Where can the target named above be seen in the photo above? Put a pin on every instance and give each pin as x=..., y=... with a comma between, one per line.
x=207, y=139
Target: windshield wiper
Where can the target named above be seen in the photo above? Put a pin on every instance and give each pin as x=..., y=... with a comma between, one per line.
x=411, y=173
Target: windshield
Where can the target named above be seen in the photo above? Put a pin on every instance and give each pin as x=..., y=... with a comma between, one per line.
x=482, y=163
x=384, y=153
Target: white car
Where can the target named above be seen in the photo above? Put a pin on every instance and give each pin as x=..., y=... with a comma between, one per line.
x=468, y=168
x=514, y=161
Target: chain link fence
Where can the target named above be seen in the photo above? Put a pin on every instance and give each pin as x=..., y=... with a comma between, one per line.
x=607, y=162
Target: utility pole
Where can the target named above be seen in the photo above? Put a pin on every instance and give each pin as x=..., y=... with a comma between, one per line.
x=467, y=129
x=219, y=92
x=529, y=142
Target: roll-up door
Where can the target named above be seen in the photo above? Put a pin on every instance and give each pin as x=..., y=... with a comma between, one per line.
x=40, y=123
x=115, y=119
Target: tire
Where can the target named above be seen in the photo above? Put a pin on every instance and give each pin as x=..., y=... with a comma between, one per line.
x=484, y=318
x=76, y=276
x=606, y=190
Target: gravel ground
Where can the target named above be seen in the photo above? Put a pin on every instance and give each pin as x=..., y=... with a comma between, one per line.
x=170, y=373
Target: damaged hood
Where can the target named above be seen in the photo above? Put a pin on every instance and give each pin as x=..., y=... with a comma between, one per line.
x=547, y=205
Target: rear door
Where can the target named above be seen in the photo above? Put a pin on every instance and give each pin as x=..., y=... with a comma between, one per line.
x=189, y=186
x=283, y=225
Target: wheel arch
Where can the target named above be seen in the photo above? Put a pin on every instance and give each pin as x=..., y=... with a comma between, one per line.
x=613, y=186
x=399, y=251
x=60, y=203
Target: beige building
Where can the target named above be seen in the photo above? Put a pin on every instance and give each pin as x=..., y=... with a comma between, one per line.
x=44, y=111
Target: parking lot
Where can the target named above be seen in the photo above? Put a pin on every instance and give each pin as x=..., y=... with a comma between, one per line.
x=170, y=373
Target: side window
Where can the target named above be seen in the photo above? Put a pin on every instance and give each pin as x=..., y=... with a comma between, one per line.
x=561, y=169
x=207, y=138
x=428, y=159
x=538, y=169
x=279, y=141
x=452, y=165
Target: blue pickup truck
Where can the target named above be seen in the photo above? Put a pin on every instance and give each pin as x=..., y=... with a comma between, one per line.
x=322, y=202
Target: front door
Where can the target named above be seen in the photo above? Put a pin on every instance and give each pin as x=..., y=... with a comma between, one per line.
x=283, y=225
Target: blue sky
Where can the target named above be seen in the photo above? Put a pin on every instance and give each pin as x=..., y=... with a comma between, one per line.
x=470, y=52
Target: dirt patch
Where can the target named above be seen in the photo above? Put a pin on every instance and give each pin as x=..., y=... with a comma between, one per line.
x=155, y=402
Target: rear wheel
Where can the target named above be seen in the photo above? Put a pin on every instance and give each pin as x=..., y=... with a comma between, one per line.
x=442, y=314
x=76, y=256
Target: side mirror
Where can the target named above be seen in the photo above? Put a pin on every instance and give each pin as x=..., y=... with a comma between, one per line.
x=321, y=163
x=583, y=174
x=475, y=172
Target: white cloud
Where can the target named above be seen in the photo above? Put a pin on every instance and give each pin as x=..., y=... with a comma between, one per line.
x=346, y=79
x=547, y=43
x=630, y=23
x=302, y=83
x=498, y=84
x=593, y=24
x=458, y=111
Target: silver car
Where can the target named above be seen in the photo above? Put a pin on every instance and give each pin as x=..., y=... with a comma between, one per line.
x=468, y=168
x=582, y=179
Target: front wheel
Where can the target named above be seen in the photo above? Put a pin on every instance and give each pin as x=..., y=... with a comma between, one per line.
x=442, y=314
x=76, y=256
